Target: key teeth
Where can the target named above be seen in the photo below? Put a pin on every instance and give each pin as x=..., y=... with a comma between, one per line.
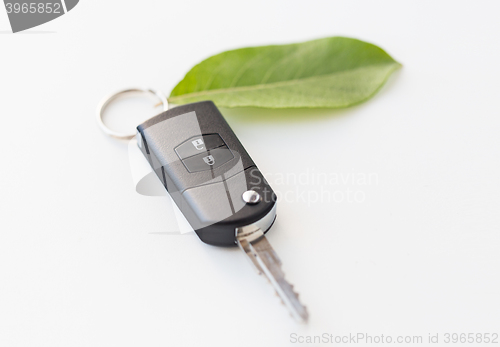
x=305, y=314
x=268, y=264
x=304, y=318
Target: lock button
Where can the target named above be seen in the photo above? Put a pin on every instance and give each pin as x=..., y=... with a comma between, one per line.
x=198, y=144
x=209, y=160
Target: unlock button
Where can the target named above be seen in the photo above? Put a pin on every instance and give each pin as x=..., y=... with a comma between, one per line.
x=209, y=160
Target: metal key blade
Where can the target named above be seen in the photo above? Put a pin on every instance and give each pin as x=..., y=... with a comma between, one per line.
x=260, y=252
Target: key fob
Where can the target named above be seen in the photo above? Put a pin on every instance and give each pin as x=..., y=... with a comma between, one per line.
x=207, y=172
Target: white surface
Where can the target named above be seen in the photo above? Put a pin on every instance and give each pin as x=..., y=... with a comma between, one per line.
x=81, y=265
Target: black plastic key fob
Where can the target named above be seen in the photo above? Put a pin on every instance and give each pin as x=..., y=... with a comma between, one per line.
x=208, y=173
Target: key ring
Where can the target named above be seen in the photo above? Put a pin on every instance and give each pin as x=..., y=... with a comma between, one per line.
x=110, y=98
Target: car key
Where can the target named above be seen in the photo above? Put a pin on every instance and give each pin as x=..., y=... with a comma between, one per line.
x=217, y=186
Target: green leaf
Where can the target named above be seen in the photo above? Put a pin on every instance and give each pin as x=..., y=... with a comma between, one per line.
x=332, y=72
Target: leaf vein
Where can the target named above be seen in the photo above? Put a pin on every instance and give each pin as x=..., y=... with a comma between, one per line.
x=274, y=84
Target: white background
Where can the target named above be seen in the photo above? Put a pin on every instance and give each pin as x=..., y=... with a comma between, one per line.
x=85, y=261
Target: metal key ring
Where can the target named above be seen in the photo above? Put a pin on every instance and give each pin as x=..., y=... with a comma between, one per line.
x=110, y=98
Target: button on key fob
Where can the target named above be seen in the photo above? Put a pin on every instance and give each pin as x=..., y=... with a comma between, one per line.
x=217, y=186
